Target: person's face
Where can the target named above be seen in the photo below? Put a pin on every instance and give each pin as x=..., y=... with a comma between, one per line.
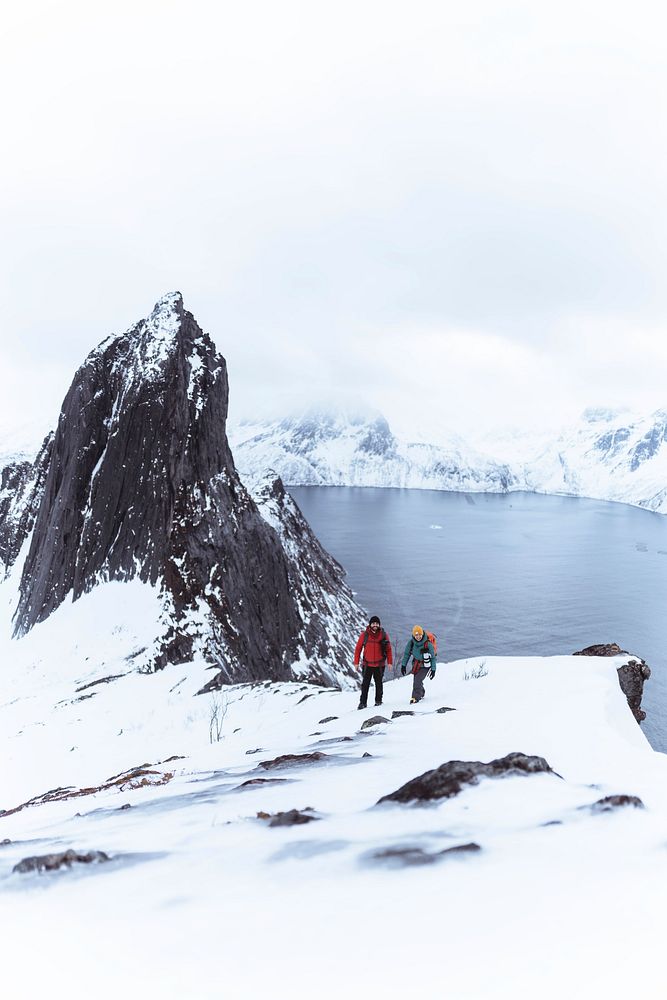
x=374, y=626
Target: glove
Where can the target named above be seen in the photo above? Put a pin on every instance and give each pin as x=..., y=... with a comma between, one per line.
x=431, y=673
x=402, y=671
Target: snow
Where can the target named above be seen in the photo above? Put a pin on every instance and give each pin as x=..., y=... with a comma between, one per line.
x=202, y=898
x=321, y=448
x=609, y=454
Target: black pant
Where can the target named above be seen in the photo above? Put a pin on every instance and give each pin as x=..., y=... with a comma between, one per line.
x=377, y=673
x=418, y=678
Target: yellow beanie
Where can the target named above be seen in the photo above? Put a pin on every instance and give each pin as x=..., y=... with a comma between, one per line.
x=418, y=631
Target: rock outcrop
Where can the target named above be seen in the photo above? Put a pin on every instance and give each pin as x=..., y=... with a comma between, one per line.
x=447, y=780
x=631, y=675
x=60, y=859
x=139, y=481
x=21, y=489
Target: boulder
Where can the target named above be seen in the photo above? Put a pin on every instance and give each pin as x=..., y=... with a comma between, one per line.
x=631, y=675
x=375, y=720
x=448, y=779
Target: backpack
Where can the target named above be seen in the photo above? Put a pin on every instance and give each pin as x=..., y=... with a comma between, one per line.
x=384, y=643
x=434, y=642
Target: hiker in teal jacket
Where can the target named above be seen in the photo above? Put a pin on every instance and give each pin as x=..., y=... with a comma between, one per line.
x=419, y=647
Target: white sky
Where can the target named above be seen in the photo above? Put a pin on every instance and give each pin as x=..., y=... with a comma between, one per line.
x=453, y=211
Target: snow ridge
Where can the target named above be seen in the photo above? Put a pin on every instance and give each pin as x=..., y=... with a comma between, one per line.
x=607, y=455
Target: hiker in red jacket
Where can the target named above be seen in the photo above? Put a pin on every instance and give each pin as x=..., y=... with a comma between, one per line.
x=374, y=647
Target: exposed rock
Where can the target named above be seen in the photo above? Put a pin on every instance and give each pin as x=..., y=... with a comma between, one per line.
x=139, y=481
x=631, y=675
x=441, y=711
x=406, y=856
x=375, y=720
x=21, y=488
x=63, y=859
x=5, y=843
x=292, y=759
x=449, y=779
x=329, y=718
x=293, y=817
x=399, y=712
x=102, y=680
x=610, y=802
x=262, y=781
x=602, y=649
x=138, y=777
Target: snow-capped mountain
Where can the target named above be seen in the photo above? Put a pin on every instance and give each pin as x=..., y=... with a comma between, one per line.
x=138, y=483
x=322, y=447
x=607, y=455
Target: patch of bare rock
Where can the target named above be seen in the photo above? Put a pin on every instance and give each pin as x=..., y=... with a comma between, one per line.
x=375, y=720
x=291, y=817
x=610, y=802
x=292, y=759
x=448, y=779
x=61, y=859
x=631, y=675
x=136, y=777
x=399, y=857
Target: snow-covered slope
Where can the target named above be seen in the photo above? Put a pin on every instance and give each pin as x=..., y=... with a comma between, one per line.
x=329, y=448
x=607, y=455
x=536, y=884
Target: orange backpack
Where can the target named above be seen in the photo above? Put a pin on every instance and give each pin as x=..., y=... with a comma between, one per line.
x=433, y=640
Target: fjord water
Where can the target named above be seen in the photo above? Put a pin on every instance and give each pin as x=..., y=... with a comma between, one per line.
x=505, y=574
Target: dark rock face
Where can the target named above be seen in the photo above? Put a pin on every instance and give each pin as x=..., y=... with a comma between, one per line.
x=63, y=859
x=21, y=488
x=631, y=675
x=139, y=482
x=651, y=442
x=447, y=780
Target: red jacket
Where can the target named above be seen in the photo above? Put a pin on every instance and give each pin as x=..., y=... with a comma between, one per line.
x=375, y=648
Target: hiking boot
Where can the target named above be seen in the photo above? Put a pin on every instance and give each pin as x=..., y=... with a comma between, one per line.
x=360, y=705
x=413, y=701
x=377, y=704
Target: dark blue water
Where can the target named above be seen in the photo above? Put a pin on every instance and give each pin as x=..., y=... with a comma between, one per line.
x=495, y=574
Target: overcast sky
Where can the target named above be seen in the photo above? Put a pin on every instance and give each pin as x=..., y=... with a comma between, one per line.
x=455, y=212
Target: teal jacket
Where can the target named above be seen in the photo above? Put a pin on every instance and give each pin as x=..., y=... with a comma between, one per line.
x=419, y=651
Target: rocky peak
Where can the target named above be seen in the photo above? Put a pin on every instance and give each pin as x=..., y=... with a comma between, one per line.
x=141, y=483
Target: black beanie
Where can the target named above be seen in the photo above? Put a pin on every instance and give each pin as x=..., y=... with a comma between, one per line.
x=374, y=618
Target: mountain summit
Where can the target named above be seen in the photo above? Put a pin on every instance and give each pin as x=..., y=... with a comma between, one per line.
x=139, y=482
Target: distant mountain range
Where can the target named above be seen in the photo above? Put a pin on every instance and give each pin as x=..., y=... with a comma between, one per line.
x=606, y=455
